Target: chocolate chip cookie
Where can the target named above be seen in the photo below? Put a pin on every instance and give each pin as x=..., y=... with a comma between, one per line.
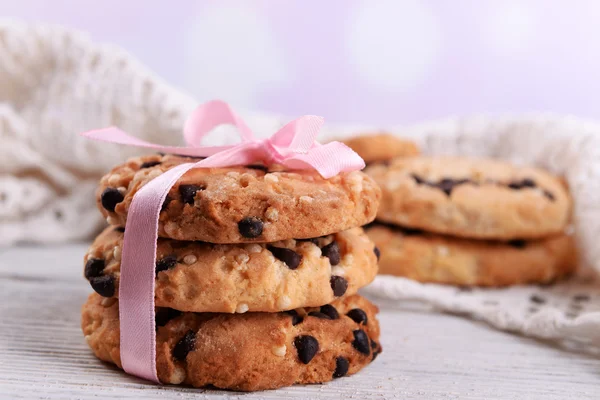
x=471, y=198
x=441, y=259
x=205, y=277
x=252, y=351
x=381, y=147
x=252, y=203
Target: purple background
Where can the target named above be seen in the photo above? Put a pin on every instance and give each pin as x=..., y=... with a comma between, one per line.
x=376, y=62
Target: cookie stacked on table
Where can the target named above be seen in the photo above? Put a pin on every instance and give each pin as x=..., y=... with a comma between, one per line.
x=467, y=221
x=257, y=270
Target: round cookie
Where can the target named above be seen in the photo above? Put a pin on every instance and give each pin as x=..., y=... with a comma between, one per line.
x=252, y=351
x=472, y=198
x=441, y=259
x=381, y=147
x=243, y=204
x=205, y=277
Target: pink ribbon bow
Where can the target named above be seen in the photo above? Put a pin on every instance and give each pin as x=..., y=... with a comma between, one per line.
x=293, y=145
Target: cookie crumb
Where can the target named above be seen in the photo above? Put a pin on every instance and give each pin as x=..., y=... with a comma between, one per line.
x=442, y=251
x=272, y=214
x=242, y=258
x=306, y=199
x=178, y=376
x=284, y=302
x=241, y=308
x=279, y=350
x=190, y=259
x=272, y=178
x=254, y=248
x=117, y=253
x=338, y=270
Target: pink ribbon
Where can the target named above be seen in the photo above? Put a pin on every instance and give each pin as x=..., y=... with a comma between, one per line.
x=293, y=146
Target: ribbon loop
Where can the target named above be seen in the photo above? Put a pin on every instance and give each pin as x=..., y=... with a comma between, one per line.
x=210, y=115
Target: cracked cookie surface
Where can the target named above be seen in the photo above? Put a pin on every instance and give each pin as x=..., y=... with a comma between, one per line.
x=205, y=277
x=242, y=204
x=252, y=351
x=435, y=258
x=471, y=198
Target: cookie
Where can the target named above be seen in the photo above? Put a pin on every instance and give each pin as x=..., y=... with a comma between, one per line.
x=204, y=277
x=471, y=198
x=441, y=259
x=243, y=204
x=381, y=147
x=252, y=351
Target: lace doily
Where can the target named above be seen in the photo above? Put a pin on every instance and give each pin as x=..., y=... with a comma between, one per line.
x=56, y=83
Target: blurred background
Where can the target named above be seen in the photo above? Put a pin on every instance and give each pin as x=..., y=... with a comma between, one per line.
x=356, y=61
x=359, y=63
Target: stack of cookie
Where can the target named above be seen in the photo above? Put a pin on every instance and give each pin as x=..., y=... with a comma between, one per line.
x=471, y=222
x=256, y=275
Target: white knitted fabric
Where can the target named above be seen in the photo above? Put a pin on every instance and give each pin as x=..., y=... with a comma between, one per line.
x=55, y=83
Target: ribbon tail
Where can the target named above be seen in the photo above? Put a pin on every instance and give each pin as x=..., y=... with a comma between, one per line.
x=117, y=136
x=329, y=160
x=138, y=263
x=208, y=116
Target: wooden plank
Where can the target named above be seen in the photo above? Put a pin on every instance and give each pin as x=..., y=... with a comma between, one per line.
x=426, y=356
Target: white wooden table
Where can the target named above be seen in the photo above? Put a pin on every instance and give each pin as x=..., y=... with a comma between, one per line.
x=426, y=355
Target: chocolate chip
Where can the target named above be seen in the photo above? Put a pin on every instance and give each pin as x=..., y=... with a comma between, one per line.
x=94, y=267
x=549, y=195
x=164, y=315
x=103, y=285
x=361, y=341
x=184, y=346
x=296, y=319
x=188, y=193
x=332, y=251
x=258, y=167
x=149, y=164
x=518, y=243
x=523, y=183
x=166, y=263
x=527, y=182
x=358, y=316
x=330, y=310
x=446, y=185
x=341, y=367
x=250, y=227
x=109, y=198
x=339, y=285
x=120, y=229
x=289, y=257
x=307, y=347
x=319, y=314
x=418, y=179
x=377, y=252
x=165, y=203
x=373, y=344
x=537, y=299
x=581, y=297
